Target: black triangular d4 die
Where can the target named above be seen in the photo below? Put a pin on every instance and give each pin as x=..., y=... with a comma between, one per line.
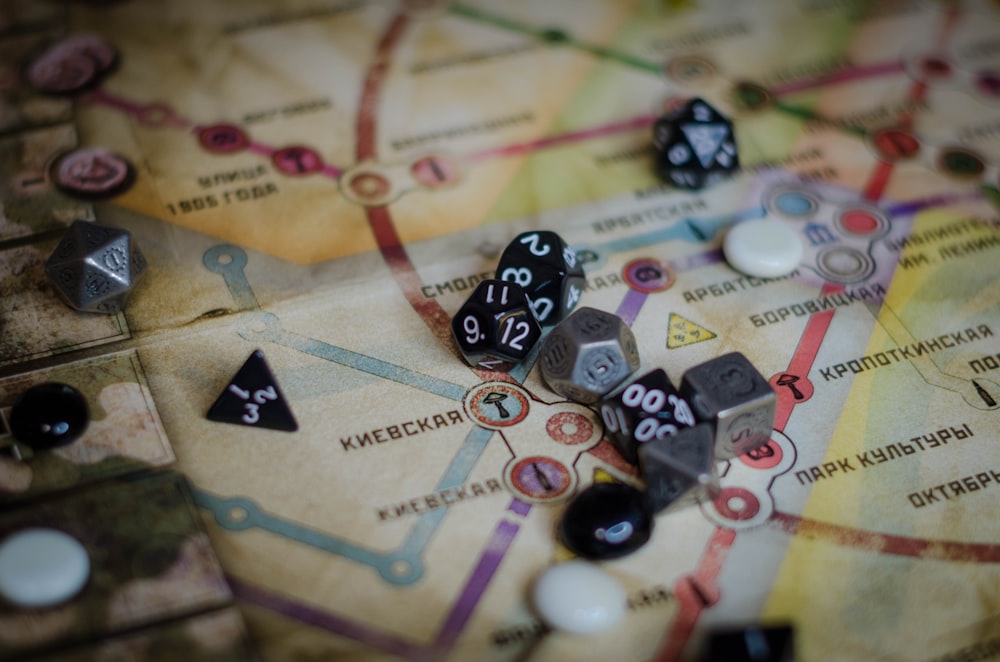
x=253, y=398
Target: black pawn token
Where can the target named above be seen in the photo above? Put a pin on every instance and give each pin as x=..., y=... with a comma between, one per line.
x=774, y=643
x=253, y=398
x=607, y=521
x=49, y=415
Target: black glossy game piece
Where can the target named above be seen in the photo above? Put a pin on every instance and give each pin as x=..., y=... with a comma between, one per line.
x=751, y=644
x=49, y=415
x=680, y=469
x=606, y=521
x=253, y=398
x=730, y=393
x=649, y=408
x=694, y=146
x=547, y=269
x=496, y=322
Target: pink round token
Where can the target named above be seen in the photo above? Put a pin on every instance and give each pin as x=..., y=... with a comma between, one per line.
x=296, y=160
x=435, y=171
x=223, y=138
x=92, y=172
x=61, y=74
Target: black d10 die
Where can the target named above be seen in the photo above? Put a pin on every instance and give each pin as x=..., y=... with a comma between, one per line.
x=680, y=470
x=547, y=269
x=694, y=146
x=729, y=392
x=649, y=408
x=496, y=321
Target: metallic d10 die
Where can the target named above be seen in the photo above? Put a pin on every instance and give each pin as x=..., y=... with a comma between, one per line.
x=729, y=392
x=94, y=267
x=588, y=354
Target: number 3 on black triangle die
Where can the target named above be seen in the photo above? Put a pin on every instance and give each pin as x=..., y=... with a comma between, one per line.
x=253, y=398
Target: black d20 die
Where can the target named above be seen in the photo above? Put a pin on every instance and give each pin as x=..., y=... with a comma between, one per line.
x=648, y=409
x=496, y=321
x=694, y=146
x=547, y=269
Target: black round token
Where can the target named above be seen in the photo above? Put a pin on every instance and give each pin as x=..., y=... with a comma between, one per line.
x=606, y=521
x=49, y=415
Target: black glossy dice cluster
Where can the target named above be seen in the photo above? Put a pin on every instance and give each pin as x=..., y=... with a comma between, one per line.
x=694, y=146
x=540, y=280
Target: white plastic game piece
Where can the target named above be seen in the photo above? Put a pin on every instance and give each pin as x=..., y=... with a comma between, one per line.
x=579, y=597
x=42, y=567
x=766, y=247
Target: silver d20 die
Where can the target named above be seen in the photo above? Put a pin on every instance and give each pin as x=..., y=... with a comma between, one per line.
x=94, y=267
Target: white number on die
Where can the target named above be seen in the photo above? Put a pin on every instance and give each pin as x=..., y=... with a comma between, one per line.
x=535, y=245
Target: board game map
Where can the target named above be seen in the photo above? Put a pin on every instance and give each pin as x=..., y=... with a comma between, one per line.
x=326, y=181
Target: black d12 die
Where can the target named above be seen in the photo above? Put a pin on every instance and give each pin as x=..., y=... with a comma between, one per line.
x=648, y=409
x=694, y=146
x=547, y=269
x=497, y=322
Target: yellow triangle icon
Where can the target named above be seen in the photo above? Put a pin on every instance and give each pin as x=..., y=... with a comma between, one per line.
x=603, y=476
x=682, y=332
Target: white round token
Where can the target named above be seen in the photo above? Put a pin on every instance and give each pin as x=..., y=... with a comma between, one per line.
x=766, y=247
x=42, y=567
x=579, y=597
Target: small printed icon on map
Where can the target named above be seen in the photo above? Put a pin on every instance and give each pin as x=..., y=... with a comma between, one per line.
x=71, y=65
x=253, y=398
x=297, y=160
x=92, y=172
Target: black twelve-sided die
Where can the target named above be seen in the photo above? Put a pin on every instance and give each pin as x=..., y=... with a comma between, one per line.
x=496, y=322
x=694, y=146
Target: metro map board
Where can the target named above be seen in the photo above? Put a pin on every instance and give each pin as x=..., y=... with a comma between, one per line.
x=327, y=181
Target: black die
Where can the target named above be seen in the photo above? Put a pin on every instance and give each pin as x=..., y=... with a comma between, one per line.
x=694, y=146
x=649, y=408
x=680, y=470
x=547, y=269
x=497, y=322
x=730, y=393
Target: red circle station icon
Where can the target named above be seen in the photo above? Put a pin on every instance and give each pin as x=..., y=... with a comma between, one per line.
x=737, y=503
x=894, y=144
x=859, y=221
x=223, y=138
x=297, y=160
x=569, y=428
x=539, y=478
x=435, y=171
x=648, y=275
x=497, y=405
